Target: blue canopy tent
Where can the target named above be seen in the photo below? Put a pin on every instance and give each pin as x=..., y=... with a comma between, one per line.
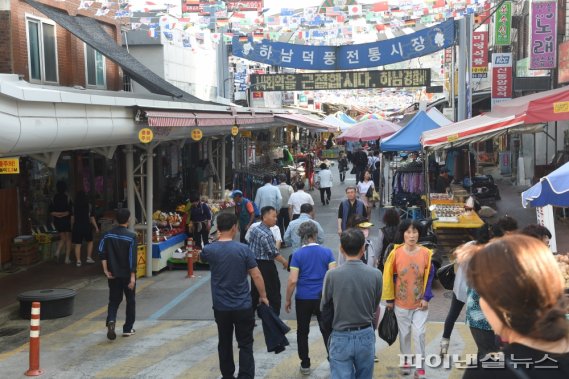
x=552, y=189
x=408, y=138
x=345, y=118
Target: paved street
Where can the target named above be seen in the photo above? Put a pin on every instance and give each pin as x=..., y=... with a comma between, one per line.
x=176, y=335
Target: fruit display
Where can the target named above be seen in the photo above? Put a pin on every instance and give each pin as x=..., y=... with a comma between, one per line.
x=166, y=224
x=563, y=261
x=219, y=205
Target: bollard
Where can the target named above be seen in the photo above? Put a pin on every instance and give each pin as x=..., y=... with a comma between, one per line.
x=34, y=369
x=190, y=257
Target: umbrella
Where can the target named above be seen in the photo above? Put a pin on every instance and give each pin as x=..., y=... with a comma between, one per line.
x=552, y=189
x=369, y=130
x=333, y=121
x=369, y=116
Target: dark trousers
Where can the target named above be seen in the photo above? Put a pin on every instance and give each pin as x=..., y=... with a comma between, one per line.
x=360, y=170
x=485, y=341
x=453, y=313
x=304, y=311
x=117, y=287
x=272, y=285
x=283, y=220
x=342, y=176
x=243, y=321
x=328, y=192
x=202, y=235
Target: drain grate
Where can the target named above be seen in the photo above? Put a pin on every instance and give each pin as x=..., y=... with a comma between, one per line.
x=7, y=332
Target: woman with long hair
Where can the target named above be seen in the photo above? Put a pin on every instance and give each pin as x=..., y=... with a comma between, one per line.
x=363, y=187
x=407, y=280
x=521, y=292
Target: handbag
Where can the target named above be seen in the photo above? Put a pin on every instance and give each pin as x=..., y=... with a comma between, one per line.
x=369, y=193
x=446, y=276
x=375, y=196
x=388, y=329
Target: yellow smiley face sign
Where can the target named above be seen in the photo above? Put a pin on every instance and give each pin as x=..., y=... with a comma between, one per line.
x=197, y=134
x=234, y=131
x=145, y=135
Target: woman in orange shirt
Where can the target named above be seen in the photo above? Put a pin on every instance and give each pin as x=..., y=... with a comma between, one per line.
x=407, y=280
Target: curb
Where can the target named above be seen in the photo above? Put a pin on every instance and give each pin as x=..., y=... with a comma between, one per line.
x=11, y=312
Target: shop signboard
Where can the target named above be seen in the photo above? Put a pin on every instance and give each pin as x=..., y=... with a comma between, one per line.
x=145, y=135
x=234, y=130
x=543, y=34
x=342, y=80
x=480, y=54
x=523, y=71
x=10, y=165
x=502, y=78
x=348, y=57
x=563, y=68
x=503, y=24
x=545, y=218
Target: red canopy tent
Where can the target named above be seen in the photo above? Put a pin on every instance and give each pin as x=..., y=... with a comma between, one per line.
x=521, y=113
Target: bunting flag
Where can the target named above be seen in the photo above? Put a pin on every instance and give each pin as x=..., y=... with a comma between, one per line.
x=169, y=36
x=355, y=10
x=152, y=33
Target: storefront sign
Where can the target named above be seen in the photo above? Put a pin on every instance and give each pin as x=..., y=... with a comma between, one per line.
x=343, y=80
x=246, y=134
x=543, y=32
x=348, y=57
x=503, y=24
x=197, y=134
x=480, y=54
x=561, y=107
x=523, y=71
x=502, y=78
x=257, y=95
x=563, y=67
x=448, y=55
x=145, y=135
x=545, y=218
x=9, y=165
x=234, y=131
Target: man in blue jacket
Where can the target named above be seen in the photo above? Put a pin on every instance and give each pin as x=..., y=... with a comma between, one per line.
x=117, y=251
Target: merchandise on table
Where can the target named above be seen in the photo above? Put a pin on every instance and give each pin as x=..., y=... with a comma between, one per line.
x=167, y=224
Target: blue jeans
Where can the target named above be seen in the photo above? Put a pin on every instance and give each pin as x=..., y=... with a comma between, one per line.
x=351, y=354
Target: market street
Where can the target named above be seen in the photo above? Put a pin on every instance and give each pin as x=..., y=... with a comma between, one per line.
x=177, y=337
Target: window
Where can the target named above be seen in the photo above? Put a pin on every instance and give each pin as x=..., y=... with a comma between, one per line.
x=42, y=51
x=95, y=68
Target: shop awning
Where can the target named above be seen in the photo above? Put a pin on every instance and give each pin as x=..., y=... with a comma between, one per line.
x=169, y=119
x=474, y=129
x=305, y=122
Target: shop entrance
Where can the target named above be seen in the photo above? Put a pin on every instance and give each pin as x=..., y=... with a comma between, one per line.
x=8, y=222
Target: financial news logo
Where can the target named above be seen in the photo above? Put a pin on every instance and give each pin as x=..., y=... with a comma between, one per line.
x=502, y=60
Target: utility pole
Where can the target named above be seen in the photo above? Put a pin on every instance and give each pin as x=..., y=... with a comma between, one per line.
x=464, y=72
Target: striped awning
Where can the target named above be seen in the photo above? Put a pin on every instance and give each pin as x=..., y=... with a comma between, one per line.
x=170, y=119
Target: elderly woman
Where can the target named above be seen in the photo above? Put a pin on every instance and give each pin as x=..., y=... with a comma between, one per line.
x=307, y=270
x=521, y=292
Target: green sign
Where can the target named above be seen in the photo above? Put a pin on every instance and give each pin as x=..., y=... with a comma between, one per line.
x=503, y=24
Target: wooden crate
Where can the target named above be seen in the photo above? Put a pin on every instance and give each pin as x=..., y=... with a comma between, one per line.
x=25, y=258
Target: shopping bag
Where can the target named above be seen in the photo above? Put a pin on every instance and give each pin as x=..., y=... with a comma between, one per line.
x=446, y=276
x=375, y=196
x=388, y=329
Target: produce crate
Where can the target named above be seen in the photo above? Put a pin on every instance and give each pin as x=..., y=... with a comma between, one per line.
x=25, y=258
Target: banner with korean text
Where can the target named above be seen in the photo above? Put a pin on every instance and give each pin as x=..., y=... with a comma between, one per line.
x=543, y=34
x=348, y=57
x=503, y=24
x=502, y=77
x=480, y=54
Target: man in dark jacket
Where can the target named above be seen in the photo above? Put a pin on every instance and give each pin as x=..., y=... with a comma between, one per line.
x=117, y=251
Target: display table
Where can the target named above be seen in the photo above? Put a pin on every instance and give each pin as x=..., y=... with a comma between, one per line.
x=470, y=221
x=450, y=235
x=161, y=251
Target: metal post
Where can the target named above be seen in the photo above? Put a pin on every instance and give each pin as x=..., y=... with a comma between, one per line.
x=129, y=155
x=210, y=164
x=452, y=86
x=149, y=198
x=223, y=163
x=462, y=44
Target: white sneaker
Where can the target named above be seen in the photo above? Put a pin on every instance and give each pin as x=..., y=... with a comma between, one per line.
x=78, y=264
x=89, y=260
x=67, y=261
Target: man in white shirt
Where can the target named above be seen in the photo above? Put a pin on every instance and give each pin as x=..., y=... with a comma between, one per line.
x=268, y=195
x=325, y=180
x=297, y=199
x=274, y=229
x=283, y=218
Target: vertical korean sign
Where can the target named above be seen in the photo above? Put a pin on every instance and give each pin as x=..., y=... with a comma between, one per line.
x=543, y=32
x=480, y=54
x=502, y=77
x=503, y=24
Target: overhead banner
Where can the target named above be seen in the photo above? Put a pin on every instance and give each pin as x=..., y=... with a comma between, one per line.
x=480, y=54
x=348, y=57
x=563, y=67
x=503, y=24
x=543, y=32
x=502, y=77
x=342, y=80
